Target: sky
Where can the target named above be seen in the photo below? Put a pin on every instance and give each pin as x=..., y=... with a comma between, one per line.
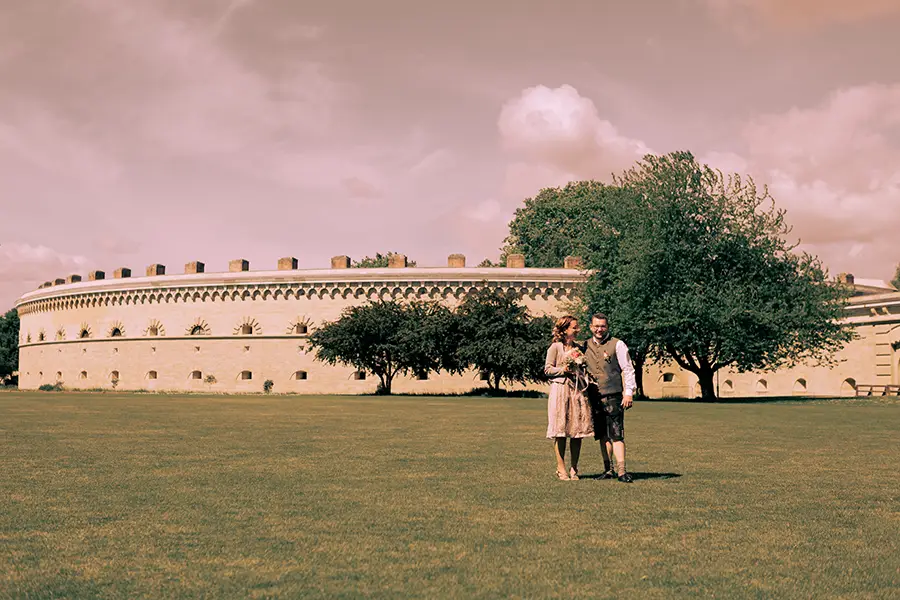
x=169, y=131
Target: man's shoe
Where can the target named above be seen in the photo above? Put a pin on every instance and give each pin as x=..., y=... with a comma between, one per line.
x=626, y=478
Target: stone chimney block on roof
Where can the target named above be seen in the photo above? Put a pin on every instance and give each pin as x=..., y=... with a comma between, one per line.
x=96, y=275
x=845, y=278
x=154, y=270
x=340, y=262
x=573, y=262
x=59, y=281
x=288, y=263
x=515, y=261
x=122, y=273
x=237, y=265
x=195, y=267
x=397, y=261
x=73, y=278
x=456, y=261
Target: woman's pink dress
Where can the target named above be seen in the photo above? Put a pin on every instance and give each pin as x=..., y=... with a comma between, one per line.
x=568, y=412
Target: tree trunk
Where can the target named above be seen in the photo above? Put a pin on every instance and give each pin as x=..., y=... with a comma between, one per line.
x=707, y=387
x=638, y=375
x=384, y=388
x=496, y=382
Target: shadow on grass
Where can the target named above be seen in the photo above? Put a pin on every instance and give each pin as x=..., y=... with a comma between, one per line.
x=637, y=476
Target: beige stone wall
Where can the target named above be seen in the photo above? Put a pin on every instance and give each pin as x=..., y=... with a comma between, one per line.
x=269, y=303
x=869, y=360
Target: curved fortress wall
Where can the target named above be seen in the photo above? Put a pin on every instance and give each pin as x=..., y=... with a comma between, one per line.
x=241, y=328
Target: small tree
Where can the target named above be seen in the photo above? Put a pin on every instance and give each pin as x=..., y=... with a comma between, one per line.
x=268, y=384
x=896, y=280
x=9, y=344
x=389, y=338
x=498, y=337
x=379, y=261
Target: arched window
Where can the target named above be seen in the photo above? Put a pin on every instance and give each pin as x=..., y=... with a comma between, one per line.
x=245, y=375
x=848, y=387
x=41, y=374
x=151, y=374
x=196, y=330
x=799, y=386
x=83, y=375
x=246, y=329
x=42, y=336
x=84, y=333
x=153, y=330
x=359, y=375
x=300, y=329
x=762, y=386
x=196, y=375
x=59, y=375
x=114, y=376
x=668, y=377
x=728, y=386
x=299, y=375
x=116, y=332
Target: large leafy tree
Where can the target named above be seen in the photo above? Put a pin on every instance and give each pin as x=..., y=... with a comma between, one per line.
x=388, y=338
x=9, y=344
x=498, y=337
x=378, y=261
x=703, y=259
x=586, y=219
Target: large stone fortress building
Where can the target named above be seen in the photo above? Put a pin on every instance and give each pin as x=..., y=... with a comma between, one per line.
x=230, y=332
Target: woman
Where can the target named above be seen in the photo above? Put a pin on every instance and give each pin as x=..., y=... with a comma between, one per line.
x=568, y=412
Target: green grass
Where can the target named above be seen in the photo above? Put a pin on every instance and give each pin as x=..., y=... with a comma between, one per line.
x=116, y=495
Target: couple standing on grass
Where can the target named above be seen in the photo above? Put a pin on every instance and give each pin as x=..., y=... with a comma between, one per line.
x=587, y=396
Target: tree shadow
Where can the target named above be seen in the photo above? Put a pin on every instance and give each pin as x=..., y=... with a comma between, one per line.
x=636, y=475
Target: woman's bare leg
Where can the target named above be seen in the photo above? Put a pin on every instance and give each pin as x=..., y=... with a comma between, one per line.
x=559, y=446
x=575, y=452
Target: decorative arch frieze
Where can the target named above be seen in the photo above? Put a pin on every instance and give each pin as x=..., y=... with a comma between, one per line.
x=198, y=327
x=299, y=326
x=248, y=326
x=116, y=329
x=154, y=328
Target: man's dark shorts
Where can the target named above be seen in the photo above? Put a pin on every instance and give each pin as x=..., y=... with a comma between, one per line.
x=608, y=415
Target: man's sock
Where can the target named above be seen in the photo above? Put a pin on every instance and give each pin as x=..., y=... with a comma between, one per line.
x=620, y=469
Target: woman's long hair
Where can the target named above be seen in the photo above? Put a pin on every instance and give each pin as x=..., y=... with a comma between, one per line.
x=561, y=327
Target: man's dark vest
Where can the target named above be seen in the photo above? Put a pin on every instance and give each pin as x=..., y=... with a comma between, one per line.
x=604, y=370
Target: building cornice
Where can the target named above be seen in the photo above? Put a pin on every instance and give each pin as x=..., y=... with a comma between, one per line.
x=391, y=282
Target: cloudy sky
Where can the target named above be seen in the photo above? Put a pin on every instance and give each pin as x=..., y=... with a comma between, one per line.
x=170, y=131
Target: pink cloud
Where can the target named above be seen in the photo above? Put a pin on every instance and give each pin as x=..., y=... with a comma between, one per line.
x=23, y=267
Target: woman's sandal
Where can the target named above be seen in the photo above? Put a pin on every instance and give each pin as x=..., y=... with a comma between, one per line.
x=573, y=474
x=561, y=475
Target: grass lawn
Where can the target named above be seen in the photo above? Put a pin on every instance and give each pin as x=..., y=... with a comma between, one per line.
x=117, y=495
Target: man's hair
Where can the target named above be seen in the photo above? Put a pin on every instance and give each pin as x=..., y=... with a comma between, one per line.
x=599, y=317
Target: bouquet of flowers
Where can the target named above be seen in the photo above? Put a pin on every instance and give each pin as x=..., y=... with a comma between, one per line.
x=573, y=361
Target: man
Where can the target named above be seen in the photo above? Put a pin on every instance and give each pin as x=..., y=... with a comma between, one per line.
x=607, y=359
